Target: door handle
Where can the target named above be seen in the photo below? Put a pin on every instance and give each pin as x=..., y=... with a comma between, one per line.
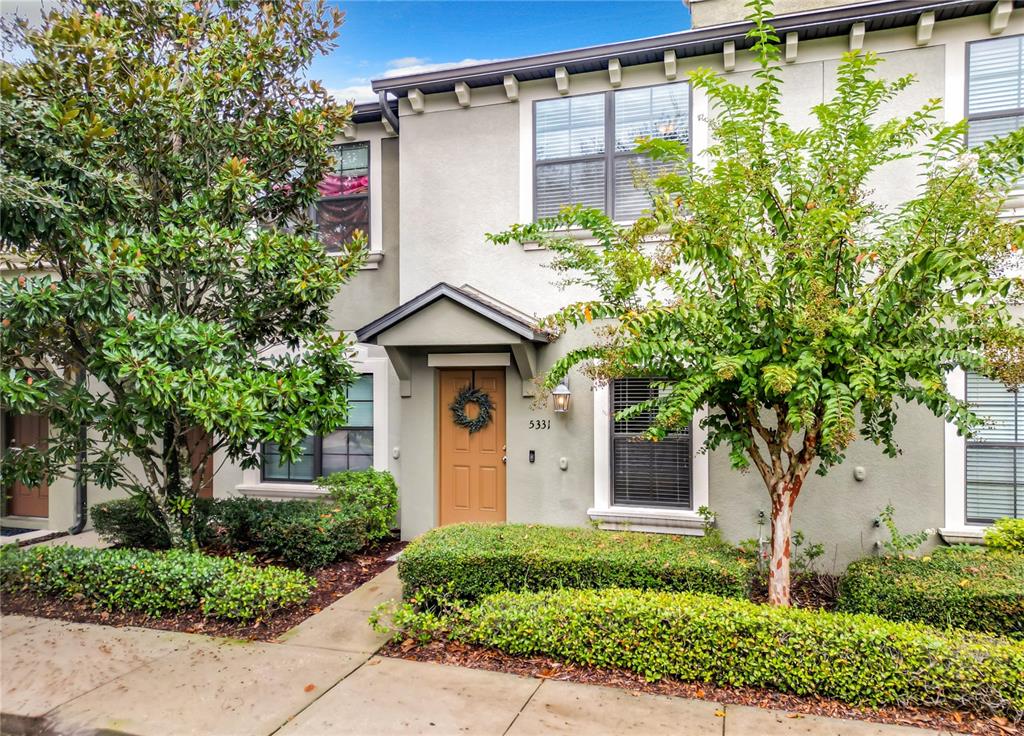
x=504, y=459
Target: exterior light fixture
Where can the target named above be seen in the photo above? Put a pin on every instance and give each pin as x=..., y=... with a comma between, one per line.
x=561, y=396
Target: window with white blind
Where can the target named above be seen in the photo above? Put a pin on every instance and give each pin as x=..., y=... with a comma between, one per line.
x=585, y=147
x=995, y=453
x=644, y=473
x=995, y=88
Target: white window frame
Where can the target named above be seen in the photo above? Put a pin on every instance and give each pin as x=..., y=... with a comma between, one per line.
x=957, y=529
x=362, y=362
x=638, y=518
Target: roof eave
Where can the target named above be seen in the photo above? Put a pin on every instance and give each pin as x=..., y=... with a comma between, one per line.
x=545, y=64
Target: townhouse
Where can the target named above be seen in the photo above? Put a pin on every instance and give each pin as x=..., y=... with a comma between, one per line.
x=447, y=156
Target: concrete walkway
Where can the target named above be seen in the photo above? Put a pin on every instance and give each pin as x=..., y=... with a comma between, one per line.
x=322, y=677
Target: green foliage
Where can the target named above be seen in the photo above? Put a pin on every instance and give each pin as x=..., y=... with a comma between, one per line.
x=1006, y=534
x=132, y=522
x=303, y=534
x=768, y=283
x=154, y=583
x=964, y=587
x=863, y=660
x=157, y=168
x=469, y=561
x=900, y=543
x=369, y=494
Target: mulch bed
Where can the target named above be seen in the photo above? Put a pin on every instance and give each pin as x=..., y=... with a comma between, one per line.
x=333, y=582
x=477, y=657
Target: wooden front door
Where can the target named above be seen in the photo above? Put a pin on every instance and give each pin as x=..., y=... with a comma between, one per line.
x=472, y=466
x=28, y=430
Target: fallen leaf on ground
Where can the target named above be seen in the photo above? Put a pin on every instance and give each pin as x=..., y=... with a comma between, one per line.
x=309, y=688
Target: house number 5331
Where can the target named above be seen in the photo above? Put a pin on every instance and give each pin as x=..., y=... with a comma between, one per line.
x=540, y=424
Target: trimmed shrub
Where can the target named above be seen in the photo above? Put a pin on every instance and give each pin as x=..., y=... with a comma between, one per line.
x=303, y=534
x=863, y=660
x=965, y=587
x=368, y=494
x=1006, y=534
x=470, y=561
x=154, y=583
x=130, y=522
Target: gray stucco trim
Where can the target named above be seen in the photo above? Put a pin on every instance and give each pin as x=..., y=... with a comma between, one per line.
x=809, y=25
x=442, y=290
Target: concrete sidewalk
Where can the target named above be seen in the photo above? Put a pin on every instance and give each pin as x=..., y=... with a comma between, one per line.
x=322, y=677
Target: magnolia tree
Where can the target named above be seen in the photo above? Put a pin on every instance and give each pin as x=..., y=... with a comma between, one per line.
x=768, y=284
x=164, y=287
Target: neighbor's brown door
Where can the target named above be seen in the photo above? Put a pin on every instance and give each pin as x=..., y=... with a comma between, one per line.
x=202, y=470
x=472, y=466
x=28, y=430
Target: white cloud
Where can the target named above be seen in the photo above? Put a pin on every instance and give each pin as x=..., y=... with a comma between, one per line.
x=407, y=61
x=357, y=89
x=422, y=66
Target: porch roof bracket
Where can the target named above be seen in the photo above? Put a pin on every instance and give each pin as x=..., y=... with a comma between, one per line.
x=525, y=356
x=401, y=364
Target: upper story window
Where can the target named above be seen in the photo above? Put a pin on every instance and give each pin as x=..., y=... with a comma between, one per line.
x=995, y=454
x=645, y=473
x=344, y=205
x=995, y=88
x=349, y=448
x=585, y=146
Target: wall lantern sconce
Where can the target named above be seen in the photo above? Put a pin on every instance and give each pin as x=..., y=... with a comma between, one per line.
x=561, y=396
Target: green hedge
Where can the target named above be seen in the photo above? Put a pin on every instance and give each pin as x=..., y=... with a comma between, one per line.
x=131, y=522
x=1006, y=534
x=965, y=587
x=303, y=534
x=360, y=507
x=154, y=583
x=863, y=660
x=474, y=560
x=369, y=494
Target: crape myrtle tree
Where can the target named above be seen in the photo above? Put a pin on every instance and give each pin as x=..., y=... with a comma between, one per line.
x=164, y=286
x=768, y=284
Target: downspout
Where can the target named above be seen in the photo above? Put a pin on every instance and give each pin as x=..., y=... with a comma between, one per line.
x=81, y=485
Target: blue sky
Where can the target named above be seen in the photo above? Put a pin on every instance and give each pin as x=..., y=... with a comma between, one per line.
x=393, y=37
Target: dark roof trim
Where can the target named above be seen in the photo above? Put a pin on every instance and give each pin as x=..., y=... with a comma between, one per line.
x=472, y=302
x=369, y=112
x=879, y=15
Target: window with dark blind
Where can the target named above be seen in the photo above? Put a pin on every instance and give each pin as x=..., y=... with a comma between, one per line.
x=349, y=448
x=645, y=473
x=995, y=88
x=344, y=204
x=995, y=454
x=585, y=147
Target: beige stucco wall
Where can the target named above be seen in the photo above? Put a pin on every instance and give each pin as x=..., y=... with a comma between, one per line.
x=705, y=13
x=374, y=290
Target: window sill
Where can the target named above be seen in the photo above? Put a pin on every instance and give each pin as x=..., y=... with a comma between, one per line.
x=659, y=521
x=281, y=490
x=373, y=260
x=586, y=237
x=963, y=535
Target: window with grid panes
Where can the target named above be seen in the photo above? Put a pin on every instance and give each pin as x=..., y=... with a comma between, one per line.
x=344, y=204
x=585, y=147
x=349, y=448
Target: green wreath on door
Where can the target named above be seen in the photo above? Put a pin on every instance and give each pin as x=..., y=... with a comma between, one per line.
x=470, y=395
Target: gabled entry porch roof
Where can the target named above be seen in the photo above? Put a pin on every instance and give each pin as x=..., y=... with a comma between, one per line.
x=450, y=318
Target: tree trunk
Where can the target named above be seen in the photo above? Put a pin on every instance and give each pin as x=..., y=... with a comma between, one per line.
x=783, y=497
